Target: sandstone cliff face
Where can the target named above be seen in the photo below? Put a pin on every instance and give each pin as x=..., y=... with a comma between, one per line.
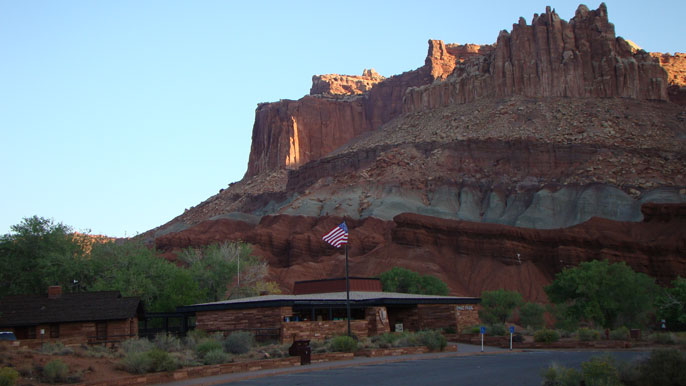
x=675, y=65
x=334, y=84
x=291, y=133
x=551, y=58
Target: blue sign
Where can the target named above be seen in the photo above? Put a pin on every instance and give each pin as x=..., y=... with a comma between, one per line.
x=511, y=329
x=483, y=330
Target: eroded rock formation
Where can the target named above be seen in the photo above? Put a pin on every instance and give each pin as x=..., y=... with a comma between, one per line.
x=334, y=84
x=551, y=58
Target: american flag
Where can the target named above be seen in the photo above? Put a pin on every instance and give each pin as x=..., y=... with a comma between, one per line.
x=338, y=235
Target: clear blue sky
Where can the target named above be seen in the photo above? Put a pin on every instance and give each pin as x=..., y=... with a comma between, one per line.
x=115, y=116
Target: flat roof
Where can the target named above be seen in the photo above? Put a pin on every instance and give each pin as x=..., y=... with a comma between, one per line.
x=357, y=298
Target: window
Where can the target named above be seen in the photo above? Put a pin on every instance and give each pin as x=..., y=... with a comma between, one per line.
x=101, y=330
x=25, y=332
x=55, y=330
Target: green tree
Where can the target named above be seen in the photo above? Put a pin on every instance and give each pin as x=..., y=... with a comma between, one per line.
x=225, y=270
x=671, y=305
x=406, y=281
x=532, y=315
x=497, y=306
x=610, y=295
x=38, y=253
x=135, y=270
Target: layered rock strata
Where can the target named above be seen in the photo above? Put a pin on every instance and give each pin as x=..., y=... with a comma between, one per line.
x=470, y=257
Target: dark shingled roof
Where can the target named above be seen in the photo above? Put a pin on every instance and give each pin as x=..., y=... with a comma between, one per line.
x=27, y=310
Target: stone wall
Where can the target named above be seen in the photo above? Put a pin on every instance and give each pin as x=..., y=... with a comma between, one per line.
x=467, y=315
x=247, y=319
x=437, y=316
x=377, y=320
x=85, y=332
x=316, y=330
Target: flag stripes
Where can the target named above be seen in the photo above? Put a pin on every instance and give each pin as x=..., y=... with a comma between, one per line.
x=337, y=236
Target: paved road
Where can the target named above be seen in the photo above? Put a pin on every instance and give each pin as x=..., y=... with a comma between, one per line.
x=509, y=369
x=495, y=367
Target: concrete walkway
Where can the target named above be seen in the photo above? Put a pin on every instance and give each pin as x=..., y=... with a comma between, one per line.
x=463, y=350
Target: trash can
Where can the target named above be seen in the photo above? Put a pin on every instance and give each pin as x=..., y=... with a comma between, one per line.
x=301, y=348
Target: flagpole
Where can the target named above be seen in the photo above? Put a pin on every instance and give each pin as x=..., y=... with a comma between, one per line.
x=347, y=287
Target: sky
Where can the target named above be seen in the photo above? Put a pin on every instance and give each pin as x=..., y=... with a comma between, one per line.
x=116, y=116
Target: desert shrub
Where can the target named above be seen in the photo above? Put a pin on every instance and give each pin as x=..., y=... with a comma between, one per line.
x=409, y=339
x=622, y=333
x=629, y=373
x=239, y=342
x=136, y=345
x=318, y=347
x=148, y=361
x=8, y=376
x=136, y=362
x=386, y=340
x=433, y=339
x=206, y=345
x=161, y=360
x=496, y=330
x=55, y=349
x=167, y=342
x=585, y=334
x=472, y=330
x=96, y=351
x=557, y=375
x=662, y=338
x=531, y=315
x=663, y=367
x=546, y=335
x=55, y=371
x=600, y=371
x=343, y=343
x=215, y=357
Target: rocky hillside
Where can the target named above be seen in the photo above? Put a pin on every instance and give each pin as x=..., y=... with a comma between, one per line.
x=558, y=140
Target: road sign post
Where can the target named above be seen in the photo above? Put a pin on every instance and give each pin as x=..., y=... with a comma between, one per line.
x=511, y=332
x=483, y=331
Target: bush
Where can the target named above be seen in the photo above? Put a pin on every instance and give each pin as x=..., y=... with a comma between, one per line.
x=472, y=330
x=621, y=333
x=55, y=371
x=600, y=371
x=215, y=357
x=433, y=339
x=55, y=349
x=206, y=345
x=546, y=335
x=386, y=340
x=136, y=362
x=663, y=367
x=136, y=345
x=239, y=342
x=557, y=375
x=497, y=306
x=96, y=351
x=496, y=330
x=8, y=376
x=161, y=360
x=587, y=334
x=167, y=342
x=149, y=361
x=663, y=338
x=343, y=343
x=531, y=315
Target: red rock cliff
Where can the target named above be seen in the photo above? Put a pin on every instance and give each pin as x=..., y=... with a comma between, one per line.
x=290, y=133
x=551, y=58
